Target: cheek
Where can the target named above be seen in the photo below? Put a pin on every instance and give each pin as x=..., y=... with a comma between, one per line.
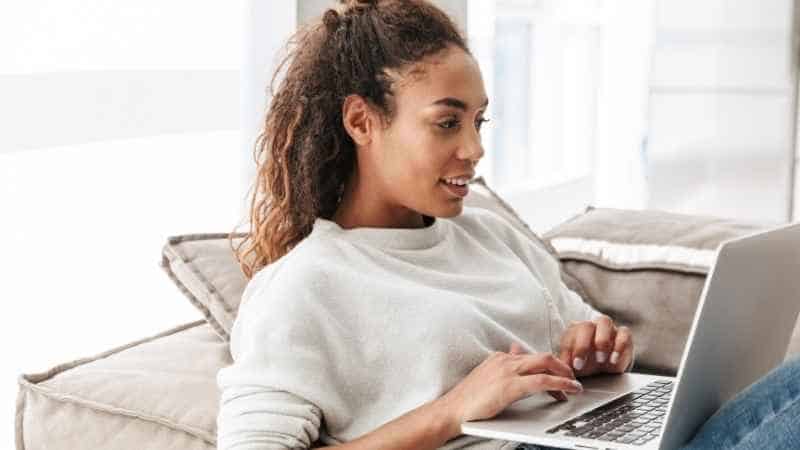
x=427, y=167
x=435, y=158
x=423, y=158
x=419, y=157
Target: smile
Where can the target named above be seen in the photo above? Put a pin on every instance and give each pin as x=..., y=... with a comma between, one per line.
x=456, y=190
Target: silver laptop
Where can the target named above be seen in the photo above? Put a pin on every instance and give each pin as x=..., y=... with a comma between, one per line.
x=741, y=330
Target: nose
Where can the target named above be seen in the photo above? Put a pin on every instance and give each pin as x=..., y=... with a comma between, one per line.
x=472, y=148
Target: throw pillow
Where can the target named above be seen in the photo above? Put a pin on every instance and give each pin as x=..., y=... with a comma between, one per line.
x=646, y=269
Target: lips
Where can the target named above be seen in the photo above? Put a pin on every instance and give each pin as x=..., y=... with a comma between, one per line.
x=455, y=190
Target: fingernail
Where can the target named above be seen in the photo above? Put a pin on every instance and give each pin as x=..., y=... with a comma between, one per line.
x=577, y=363
x=614, y=357
x=577, y=384
x=600, y=356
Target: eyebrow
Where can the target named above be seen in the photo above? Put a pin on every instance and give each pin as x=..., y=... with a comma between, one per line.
x=456, y=103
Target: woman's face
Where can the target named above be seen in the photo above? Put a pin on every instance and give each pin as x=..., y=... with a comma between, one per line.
x=434, y=134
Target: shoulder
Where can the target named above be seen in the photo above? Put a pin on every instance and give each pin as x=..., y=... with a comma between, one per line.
x=486, y=223
x=473, y=216
x=299, y=275
x=490, y=225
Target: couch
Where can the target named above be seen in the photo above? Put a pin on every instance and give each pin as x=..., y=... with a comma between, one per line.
x=645, y=269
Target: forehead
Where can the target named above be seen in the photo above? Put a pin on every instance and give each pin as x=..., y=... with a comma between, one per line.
x=449, y=73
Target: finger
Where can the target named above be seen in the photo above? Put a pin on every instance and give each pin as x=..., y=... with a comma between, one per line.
x=622, y=343
x=582, y=345
x=517, y=349
x=604, y=336
x=565, y=351
x=528, y=384
x=626, y=358
x=541, y=362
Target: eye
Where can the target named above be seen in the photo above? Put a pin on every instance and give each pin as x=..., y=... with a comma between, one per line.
x=449, y=124
x=480, y=122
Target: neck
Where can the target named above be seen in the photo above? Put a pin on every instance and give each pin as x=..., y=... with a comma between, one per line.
x=363, y=206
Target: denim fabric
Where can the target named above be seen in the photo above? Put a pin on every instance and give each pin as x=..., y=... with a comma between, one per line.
x=765, y=415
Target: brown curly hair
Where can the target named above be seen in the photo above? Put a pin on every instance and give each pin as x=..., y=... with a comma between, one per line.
x=303, y=154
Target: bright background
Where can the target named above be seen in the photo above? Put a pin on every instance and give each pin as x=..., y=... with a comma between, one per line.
x=120, y=127
x=124, y=123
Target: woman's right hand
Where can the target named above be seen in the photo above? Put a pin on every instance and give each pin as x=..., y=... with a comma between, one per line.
x=503, y=378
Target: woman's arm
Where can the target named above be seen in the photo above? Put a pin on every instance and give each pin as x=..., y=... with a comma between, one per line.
x=281, y=380
x=427, y=427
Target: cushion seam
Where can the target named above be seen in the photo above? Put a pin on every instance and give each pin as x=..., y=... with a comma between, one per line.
x=19, y=434
x=115, y=410
x=209, y=287
x=630, y=268
x=28, y=381
x=202, y=237
x=218, y=328
x=48, y=374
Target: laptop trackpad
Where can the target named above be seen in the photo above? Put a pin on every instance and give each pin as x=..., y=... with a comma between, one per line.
x=541, y=408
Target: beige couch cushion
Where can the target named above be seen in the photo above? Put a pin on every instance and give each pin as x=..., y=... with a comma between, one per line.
x=156, y=393
x=204, y=267
x=646, y=269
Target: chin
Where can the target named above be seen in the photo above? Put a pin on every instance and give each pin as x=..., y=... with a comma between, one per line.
x=454, y=209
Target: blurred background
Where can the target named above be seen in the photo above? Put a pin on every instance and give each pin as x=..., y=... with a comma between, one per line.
x=124, y=123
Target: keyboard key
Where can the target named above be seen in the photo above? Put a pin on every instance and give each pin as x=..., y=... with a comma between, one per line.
x=624, y=414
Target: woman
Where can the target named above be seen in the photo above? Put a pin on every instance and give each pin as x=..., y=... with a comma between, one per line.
x=378, y=306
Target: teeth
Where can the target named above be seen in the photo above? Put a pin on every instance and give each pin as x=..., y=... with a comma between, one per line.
x=457, y=181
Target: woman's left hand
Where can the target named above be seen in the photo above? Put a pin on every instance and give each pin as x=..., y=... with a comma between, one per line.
x=597, y=346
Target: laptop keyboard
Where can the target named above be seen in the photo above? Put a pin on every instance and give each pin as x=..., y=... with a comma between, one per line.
x=635, y=418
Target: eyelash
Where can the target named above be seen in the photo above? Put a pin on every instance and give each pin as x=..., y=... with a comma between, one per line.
x=479, y=122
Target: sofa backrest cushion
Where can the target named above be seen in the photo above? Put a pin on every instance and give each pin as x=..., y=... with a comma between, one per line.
x=646, y=269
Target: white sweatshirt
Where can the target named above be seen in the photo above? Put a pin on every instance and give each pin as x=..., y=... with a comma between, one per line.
x=355, y=327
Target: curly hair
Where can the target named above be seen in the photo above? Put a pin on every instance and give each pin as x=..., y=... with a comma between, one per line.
x=303, y=153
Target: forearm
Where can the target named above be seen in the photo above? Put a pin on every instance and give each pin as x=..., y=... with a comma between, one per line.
x=427, y=427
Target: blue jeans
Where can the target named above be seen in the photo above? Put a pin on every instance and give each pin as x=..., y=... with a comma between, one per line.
x=765, y=415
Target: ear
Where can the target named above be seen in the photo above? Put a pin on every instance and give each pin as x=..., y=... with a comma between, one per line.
x=358, y=119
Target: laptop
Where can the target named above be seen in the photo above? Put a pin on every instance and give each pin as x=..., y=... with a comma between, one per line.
x=741, y=330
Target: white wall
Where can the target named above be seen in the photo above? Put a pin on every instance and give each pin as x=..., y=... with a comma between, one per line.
x=120, y=127
x=267, y=26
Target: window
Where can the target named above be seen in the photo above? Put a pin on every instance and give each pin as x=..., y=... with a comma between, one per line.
x=568, y=83
x=543, y=63
x=671, y=105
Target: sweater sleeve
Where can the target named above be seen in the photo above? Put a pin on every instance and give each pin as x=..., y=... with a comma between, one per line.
x=565, y=305
x=273, y=395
